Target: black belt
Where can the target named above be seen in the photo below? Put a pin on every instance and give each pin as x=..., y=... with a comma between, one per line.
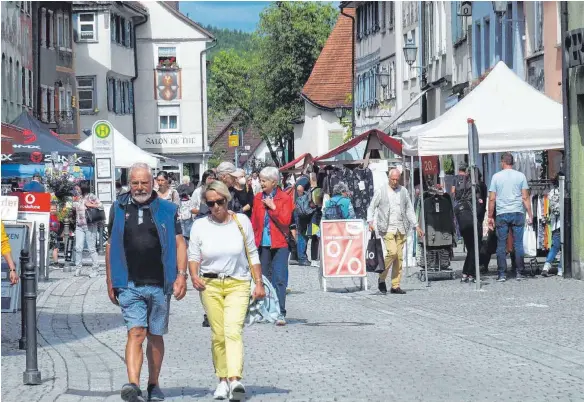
x=213, y=276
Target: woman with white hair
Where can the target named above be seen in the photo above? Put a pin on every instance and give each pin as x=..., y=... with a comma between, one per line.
x=339, y=206
x=223, y=259
x=271, y=218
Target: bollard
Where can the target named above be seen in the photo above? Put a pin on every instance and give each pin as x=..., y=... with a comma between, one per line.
x=68, y=240
x=24, y=259
x=43, y=266
x=100, y=237
x=32, y=375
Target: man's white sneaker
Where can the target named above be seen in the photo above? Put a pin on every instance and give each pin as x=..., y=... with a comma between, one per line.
x=546, y=269
x=236, y=391
x=222, y=391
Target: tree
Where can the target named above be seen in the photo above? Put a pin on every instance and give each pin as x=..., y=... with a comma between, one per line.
x=266, y=82
x=291, y=37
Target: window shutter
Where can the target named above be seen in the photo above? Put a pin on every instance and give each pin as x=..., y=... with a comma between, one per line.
x=112, y=28
x=130, y=97
x=75, y=19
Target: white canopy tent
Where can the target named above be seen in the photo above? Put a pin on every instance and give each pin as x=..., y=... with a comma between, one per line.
x=509, y=115
x=126, y=153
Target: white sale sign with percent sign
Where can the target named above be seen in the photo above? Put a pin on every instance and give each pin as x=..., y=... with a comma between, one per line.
x=343, y=248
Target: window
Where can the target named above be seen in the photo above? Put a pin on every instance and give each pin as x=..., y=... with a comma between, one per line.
x=43, y=27
x=368, y=19
x=478, y=48
x=51, y=103
x=17, y=83
x=44, y=103
x=62, y=100
x=458, y=29
x=10, y=81
x=538, y=31
x=50, y=29
x=111, y=90
x=118, y=29
x=167, y=56
x=60, y=31
x=86, y=93
x=383, y=18
x=335, y=138
x=429, y=33
x=87, y=27
x=391, y=14
x=118, y=97
x=69, y=99
x=113, y=28
x=127, y=85
x=168, y=118
x=130, y=97
x=4, y=78
x=487, y=51
x=23, y=86
x=30, y=89
x=509, y=37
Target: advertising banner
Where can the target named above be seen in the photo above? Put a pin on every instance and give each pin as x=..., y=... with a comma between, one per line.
x=35, y=208
x=343, y=248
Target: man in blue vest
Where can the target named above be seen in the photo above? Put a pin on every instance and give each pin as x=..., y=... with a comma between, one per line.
x=146, y=262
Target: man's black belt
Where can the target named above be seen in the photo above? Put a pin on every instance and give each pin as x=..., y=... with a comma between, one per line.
x=211, y=275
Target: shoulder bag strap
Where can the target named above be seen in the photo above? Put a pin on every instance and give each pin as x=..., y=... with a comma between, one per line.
x=244, y=240
x=286, y=233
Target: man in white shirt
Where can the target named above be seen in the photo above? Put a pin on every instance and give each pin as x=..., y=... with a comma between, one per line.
x=394, y=214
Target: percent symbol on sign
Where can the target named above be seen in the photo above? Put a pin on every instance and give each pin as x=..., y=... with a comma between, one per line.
x=337, y=251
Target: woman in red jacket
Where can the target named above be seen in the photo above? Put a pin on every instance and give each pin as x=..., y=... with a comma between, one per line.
x=271, y=218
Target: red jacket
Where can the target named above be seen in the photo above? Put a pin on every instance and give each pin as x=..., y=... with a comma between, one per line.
x=282, y=214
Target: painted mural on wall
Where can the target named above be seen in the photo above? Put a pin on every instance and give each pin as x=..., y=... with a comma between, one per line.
x=168, y=84
x=535, y=73
x=17, y=32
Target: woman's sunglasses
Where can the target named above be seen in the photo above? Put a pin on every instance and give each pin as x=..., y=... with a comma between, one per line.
x=220, y=203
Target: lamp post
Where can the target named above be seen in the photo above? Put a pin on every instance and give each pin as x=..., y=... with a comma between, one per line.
x=500, y=8
x=280, y=155
x=340, y=112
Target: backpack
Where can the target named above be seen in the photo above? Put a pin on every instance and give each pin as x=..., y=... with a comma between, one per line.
x=184, y=212
x=333, y=210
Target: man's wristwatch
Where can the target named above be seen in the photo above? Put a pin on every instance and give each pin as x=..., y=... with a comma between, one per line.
x=183, y=274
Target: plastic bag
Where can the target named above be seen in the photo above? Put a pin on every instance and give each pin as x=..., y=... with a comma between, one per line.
x=529, y=241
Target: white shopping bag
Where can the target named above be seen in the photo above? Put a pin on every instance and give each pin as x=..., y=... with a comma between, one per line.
x=529, y=241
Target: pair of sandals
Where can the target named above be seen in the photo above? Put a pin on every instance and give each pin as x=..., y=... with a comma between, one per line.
x=467, y=279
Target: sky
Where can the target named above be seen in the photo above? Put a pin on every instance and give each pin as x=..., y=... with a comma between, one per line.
x=242, y=15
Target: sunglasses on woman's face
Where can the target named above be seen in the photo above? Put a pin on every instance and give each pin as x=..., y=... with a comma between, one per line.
x=220, y=203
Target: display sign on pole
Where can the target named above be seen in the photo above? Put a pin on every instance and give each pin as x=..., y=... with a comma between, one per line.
x=430, y=164
x=8, y=208
x=35, y=208
x=17, y=235
x=343, y=250
x=102, y=134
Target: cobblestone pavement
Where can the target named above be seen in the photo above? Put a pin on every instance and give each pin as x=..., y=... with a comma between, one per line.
x=516, y=341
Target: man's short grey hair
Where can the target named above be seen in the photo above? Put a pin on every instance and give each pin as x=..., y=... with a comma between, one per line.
x=186, y=179
x=225, y=168
x=139, y=165
x=393, y=170
x=270, y=173
x=340, y=188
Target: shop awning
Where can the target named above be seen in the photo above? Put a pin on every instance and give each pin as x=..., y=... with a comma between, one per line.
x=304, y=158
x=509, y=115
x=371, y=137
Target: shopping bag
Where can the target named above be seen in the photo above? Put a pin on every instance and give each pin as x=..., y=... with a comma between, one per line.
x=375, y=262
x=529, y=241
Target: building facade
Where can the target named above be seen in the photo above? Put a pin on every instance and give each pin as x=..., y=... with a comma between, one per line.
x=54, y=69
x=574, y=59
x=327, y=91
x=104, y=34
x=170, y=89
x=17, y=59
x=376, y=94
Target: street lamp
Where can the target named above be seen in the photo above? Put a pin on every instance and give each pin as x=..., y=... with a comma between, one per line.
x=280, y=153
x=410, y=52
x=500, y=8
x=383, y=77
x=340, y=112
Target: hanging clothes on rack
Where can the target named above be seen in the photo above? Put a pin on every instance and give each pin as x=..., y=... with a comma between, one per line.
x=360, y=183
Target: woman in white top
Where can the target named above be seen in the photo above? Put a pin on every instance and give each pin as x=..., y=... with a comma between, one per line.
x=221, y=250
x=165, y=191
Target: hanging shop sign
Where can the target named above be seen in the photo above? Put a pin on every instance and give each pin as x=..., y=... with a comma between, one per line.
x=36, y=209
x=430, y=164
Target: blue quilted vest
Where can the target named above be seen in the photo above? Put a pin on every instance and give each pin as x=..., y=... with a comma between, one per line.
x=163, y=214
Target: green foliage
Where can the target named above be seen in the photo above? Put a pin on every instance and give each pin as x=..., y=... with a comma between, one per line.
x=229, y=39
x=448, y=164
x=265, y=79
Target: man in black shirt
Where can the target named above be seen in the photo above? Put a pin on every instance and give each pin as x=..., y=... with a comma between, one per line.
x=143, y=253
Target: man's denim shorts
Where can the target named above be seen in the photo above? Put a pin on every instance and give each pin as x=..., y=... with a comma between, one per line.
x=146, y=307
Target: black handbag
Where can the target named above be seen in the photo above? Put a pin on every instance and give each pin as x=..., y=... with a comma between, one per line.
x=94, y=215
x=375, y=261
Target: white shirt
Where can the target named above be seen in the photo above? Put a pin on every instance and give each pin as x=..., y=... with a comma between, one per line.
x=390, y=211
x=219, y=247
x=196, y=197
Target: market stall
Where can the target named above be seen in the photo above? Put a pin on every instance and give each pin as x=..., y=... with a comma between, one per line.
x=39, y=147
x=126, y=153
x=508, y=115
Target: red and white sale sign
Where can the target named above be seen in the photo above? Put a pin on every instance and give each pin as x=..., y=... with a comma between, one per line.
x=343, y=248
x=430, y=164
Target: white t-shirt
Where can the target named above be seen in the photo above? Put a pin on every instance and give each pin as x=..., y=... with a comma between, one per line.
x=219, y=247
